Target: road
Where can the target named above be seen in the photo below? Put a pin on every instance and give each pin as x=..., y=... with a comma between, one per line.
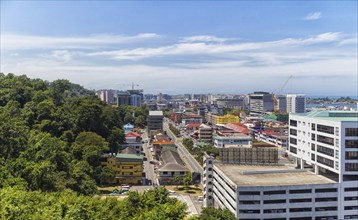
x=183, y=152
x=148, y=167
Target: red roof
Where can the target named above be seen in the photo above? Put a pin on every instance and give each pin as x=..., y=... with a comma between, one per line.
x=163, y=139
x=192, y=125
x=132, y=134
x=238, y=127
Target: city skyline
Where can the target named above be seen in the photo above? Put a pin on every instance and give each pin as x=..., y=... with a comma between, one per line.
x=190, y=47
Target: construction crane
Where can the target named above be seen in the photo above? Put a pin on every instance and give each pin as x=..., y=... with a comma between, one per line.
x=132, y=85
x=274, y=95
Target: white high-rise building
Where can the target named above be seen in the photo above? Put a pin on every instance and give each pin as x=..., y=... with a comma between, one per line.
x=296, y=103
x=328, y=141
x=322, y=184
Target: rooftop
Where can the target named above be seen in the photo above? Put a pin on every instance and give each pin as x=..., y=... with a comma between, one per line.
x=132, y=134
x=129, y=156
x=332, y=115
x=172, y=161
x=254, y=175
x=155, y=113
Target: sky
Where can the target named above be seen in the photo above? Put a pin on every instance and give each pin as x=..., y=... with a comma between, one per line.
x=178, y=47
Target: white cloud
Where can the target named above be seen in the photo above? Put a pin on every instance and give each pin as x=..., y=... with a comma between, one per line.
x=15, y=41
x=204, y=38
x=313, y=16
x=197, y=65
x=202, y=48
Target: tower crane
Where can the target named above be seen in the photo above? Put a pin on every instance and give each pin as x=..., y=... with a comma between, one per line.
x=274, y=94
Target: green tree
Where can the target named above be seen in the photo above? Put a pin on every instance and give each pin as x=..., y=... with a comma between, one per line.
x=210, y=213
x=115, y=139
x=188, y=179
x=176, y=181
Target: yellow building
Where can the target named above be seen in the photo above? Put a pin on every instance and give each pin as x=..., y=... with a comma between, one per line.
x=128, y=168
x=226, y=119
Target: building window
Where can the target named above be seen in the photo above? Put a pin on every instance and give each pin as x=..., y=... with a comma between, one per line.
x=251, y=193
x=325, y=150
x=325, y=140
x=324, y=209
x=293, y=132
x=275, y=192
x=293, y=123
x=351, y=143
x=351, y=198
x=293, y=149
x=351, y=189
x=325, y=129
x=326, y=218
x=300, y=200
x=293, y=140
x=351, y=166
x=313, y=147
x=351, y=217
x=327, y=199
x=325, y=161
x=299, y=191
x=351, y=207
x=313, y=127
x=351, y=132
x=274, y=210
x=300, y=209
x=326, y=190
x=275, y=201
x=351, y=155
x=313, y=157
x=249, y=202
x=313, y=137
x=165, y=172
x=251, y=211
x=210, y=169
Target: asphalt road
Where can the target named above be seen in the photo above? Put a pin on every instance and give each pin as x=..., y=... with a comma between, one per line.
x=148, y=167
x=183, y=152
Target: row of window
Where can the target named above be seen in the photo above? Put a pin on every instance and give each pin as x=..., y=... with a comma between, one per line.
x=306, y=209
x=325, y=150
x=292, y=191
x=325, y=161
x=350, y=155
x=351, y=166
x=325, y=140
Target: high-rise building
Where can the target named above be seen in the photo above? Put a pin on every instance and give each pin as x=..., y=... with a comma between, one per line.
x=321, y=184
x=296, y=103
x=106, y=96
x=261, y=102
x=282, y=103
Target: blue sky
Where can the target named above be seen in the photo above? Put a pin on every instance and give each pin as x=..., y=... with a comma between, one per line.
x=185, y=46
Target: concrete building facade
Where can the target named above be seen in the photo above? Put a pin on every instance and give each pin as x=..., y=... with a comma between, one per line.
x=296, y=103
x=261, y=102
x=155, y=120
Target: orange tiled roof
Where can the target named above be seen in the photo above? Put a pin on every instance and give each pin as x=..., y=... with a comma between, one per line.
x=132, y=134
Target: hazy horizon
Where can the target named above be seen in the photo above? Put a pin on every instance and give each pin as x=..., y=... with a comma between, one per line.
x=185, y=47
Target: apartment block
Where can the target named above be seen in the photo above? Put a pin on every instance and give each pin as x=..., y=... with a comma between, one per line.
x=322, y=184
x=328, y=141
x=296, y=103
x=261, y=102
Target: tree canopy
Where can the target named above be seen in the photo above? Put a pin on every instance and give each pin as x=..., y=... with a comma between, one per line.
x=152, y=205
x=53, y=134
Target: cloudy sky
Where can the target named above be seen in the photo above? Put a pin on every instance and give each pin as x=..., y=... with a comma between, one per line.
x=185, y=47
